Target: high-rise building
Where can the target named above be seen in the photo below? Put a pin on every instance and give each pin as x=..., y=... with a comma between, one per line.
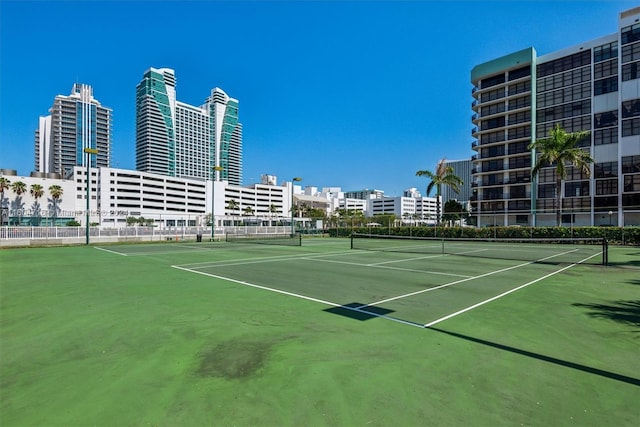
x=76, y=122
x=177, y=139
x=518, y=98
x=461, y=169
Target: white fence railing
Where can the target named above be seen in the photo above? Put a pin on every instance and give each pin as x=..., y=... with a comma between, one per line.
x=41, y=234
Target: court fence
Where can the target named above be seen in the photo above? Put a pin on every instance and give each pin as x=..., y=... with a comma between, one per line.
x=43, y=236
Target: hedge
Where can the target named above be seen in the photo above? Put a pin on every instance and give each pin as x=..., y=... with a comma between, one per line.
x=615, y=235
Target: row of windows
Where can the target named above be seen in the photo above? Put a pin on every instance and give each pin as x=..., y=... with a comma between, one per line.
x=606, y=136
x=559, y=112
x=631, y=164
x=570, y=125
x=519, y=132
x=563, y=64
x=520, y=87
x=492, y=137
x=522, y=102
x=569, y=78
x=564, y=95
x=606, y=119
x=493, y=94
x=493, y=109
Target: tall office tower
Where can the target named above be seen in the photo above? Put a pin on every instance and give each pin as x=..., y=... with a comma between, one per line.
x=595, y=87
x=177, y=139
x=76, y=122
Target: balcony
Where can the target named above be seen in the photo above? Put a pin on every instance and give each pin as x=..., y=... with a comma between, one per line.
x=474, y=117
x=474, y=157
x=474, y=131
x=474, y=184
x=474, y=144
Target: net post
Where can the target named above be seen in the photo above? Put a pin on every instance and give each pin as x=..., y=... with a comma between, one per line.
x=605, y=252
x=351, y=240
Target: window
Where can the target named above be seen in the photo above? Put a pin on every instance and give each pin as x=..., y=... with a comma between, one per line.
x=631, y=200
x=498, y=150
x=630, y=34
x=492, y=123
x=519, y=162
x=606, y=136
x=569, y=78
x=606, y=51
x=606, y=186
x=605, y=170
x=630, y=53
x=631, y=164
x=563, y=64
x=492, y=109
x=492, y=81
x=631, y=127
x=567, y=110
x=522, y=117
x=608, y=85
x=576, y=189
x=519, y=73
x=606, y=119
x=520, y=132
x=518, y=147
x=606, y=203
x=631, y=108
x=630, y=71
x=631, y=183
x=521, y=102
x=547, y=191
x=605, y=69
x=519, y=177
x=519, y=88
x=491, y=95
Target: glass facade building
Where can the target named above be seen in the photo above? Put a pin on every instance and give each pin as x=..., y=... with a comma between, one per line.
x=177, y=139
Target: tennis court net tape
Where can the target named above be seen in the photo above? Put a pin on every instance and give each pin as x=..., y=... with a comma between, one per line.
x=553, y=251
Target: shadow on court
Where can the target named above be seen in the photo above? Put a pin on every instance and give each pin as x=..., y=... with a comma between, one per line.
x=359, y=311
x=565, y=363
x=627, y=312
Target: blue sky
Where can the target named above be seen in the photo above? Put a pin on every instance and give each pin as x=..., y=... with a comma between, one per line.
x=357, y=94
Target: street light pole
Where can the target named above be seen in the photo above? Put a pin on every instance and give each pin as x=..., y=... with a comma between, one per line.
x=293, y=181
x=610, y=213
x=88, y=152
x=216, y=169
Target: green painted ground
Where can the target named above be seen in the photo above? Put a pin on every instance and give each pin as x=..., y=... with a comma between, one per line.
x=91, y=337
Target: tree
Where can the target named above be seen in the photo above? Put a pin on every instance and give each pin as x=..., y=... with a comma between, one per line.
x=5, y=184
x=36, y=192
x=248, y=211
x=454, y=211
x=19, y=188
x=442, y=176
x=559, y=150
x=232, y=205
x=56, y=193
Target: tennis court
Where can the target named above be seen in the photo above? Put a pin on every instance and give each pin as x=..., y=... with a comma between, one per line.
x=413, y=281
x=258, y=333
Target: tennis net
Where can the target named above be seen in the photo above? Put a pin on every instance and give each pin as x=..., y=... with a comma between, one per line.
x=553, y=251
x=266, y=239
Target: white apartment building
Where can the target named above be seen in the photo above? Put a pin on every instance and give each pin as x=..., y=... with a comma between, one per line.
x=593, y=86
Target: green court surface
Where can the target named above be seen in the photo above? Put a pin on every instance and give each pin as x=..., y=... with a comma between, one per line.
x=230, y=334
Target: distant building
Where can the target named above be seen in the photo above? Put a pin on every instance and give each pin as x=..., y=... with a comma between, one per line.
x=461, y=169
x=180, y=140
x=365, y=194
x=76, y=121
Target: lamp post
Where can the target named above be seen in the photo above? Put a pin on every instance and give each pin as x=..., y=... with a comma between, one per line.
x=88, y=152
x=216, y=169
x=293, y=181
x=610, y=213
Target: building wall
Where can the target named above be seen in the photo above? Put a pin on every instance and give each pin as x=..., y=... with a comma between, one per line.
x=461, y=169
x=595, y=87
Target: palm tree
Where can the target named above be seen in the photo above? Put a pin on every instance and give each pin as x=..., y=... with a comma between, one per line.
x=232, y=205
x=56, y=193
x=273, y=209
x=248, y=211
x=443, y=176
x=36, y=192
x=19, y=188
x=559, y=149
x=5, y=184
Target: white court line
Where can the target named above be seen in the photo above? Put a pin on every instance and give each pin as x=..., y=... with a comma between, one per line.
x=404, y=260
x=388, y=267
x=112, y=252
x=291, y=294
x=504, y=293
x=255, y=260
x=467, y=279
